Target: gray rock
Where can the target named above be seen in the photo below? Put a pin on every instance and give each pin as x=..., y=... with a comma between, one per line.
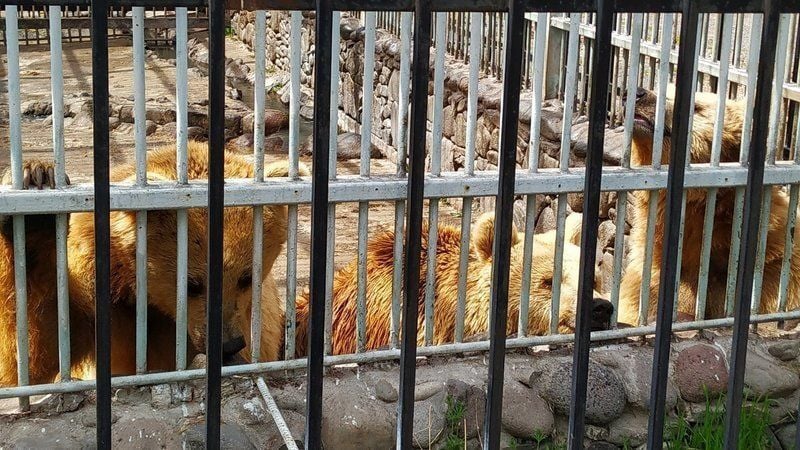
x=634, y=366
x=427, y=389
x=161, y=395
x=701, y=370
x=783, y=409
x=575, y=200
x=429, y=421
x=606, y=392
x=231, y=437
x=385, y=391
x=353, y=420
x=764, y=377
x=55, y=441
x=786, y=436
x=785, y=351
x=604, y=273
x=473, y=400
x=524, y=411
x=546, y=221
x=150, y=127
x=132, y=395
x=243, y=143
x=630, y=428
x=144, y=433
x=244, y=411
x=59, y=403
x=37, y=108
x=596, y=433
x=601, y=445
x=196, y=133
x=606, y=234
x=89, y=418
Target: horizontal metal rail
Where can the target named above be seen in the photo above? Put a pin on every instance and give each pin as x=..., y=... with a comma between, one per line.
x=348, y=188
x=632, y=6
x=377, y=356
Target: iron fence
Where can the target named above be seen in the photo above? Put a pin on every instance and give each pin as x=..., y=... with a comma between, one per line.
x=33, y=24
x=409, y=190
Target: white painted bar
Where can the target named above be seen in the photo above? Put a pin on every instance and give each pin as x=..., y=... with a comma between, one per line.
x=368, y=84
x=537, y=94
x=658, y=147
x=436, y=169
x=182, y=136
x=334, y=135
x=772, y=143
x=788, y=239
x=275, y=412
x=475, y=42
x=566, y=133
x=295, y=27
x=15, y=141
x=62, y=220
x=140, y=138
x=349, y=188
x=402, y=145
x=259, y=99
x=622, y=197
x=716, y=150
x=736, y=232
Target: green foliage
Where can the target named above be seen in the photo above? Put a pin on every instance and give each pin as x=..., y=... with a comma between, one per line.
x=708, y=429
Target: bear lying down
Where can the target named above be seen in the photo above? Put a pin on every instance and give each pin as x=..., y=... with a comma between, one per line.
x=380, y=266
x=162, y=276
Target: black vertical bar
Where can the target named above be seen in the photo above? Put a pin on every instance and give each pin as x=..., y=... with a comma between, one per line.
x=503, y=219
x=216, y=181
x=102, y=225
x=319, y=221
x=416, y=182
x=670, y=255
x=598, y=111
x=752, y=211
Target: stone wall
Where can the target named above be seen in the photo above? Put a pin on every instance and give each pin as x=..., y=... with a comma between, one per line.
x=360, y=403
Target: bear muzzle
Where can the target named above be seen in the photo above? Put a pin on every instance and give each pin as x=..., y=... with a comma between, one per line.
x=602, y=310
x=231, y=349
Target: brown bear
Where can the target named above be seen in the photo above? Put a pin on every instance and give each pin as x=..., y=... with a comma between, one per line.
x=380, y=256
x=162, y=276
x=703, y=120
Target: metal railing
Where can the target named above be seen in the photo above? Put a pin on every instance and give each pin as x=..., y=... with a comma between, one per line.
x=409, y=190
x=33, y=24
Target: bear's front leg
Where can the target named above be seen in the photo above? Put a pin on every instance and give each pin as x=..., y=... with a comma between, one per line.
x=41, y=284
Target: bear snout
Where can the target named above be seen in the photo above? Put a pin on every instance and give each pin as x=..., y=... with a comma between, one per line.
x=231, y=349
x=602, y=310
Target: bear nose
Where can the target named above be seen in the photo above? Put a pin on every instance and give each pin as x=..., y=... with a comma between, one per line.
x=602, y=310
x=231, y=347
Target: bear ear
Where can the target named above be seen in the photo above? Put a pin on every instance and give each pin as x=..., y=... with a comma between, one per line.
x=280, y=169
x=572, y=228
x=482, y=240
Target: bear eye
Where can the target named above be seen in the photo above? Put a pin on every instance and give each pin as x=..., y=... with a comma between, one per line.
x=547, y=284
x=195, y=288
x=245, y=281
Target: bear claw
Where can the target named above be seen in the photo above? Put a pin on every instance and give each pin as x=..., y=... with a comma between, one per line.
x=36, y=174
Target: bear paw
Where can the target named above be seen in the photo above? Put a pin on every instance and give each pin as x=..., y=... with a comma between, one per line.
x=36, y=174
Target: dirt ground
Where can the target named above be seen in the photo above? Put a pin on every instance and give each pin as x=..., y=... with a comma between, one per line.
x=160, y=82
